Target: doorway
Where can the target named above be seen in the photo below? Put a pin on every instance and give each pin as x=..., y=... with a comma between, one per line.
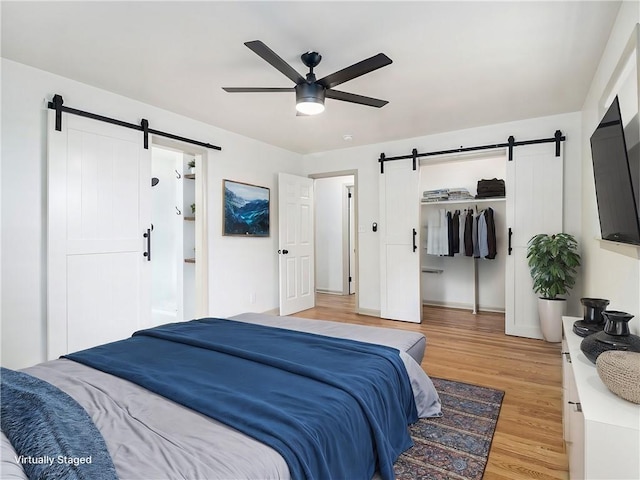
x=178, y=286
x=336, y=234
x=168, y=275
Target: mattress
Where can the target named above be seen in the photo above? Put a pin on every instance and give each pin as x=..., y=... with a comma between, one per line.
x=149, y=436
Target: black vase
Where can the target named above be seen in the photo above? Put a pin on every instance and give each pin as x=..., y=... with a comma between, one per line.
x=593, y=320
x=615, y=336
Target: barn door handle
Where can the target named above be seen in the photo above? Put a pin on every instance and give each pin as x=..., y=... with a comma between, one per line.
x=415, y=247
x=147, y=235
x=510, y=233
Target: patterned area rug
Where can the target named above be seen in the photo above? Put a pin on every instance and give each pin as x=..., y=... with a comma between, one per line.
x=456, y=445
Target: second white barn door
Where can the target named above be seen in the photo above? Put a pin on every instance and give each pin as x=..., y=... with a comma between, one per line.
x=99, y=281
x=296, y=243
x=400, y=296
x=534, y=205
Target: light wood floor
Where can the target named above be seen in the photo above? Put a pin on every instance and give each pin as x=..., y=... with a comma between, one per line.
x=473, y=348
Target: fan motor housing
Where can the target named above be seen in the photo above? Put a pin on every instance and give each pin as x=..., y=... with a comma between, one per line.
x=309, y=92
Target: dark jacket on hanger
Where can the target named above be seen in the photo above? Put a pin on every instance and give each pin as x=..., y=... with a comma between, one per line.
x=491, y=233
x=455, y=221
x=468, y=234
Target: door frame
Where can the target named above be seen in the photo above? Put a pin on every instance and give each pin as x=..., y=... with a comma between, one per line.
x=342, y=173
x=202, y=157
x=348, y=242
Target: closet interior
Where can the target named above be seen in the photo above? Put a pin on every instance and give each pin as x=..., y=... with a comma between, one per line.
x=454, y=278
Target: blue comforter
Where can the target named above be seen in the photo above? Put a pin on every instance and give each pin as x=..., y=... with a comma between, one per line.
x=333, y=408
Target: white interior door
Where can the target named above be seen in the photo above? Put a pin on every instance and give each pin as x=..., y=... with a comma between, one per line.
x=352, y=241
x=99, y=207
x=296, y=259
x=534, y=205
x=400, y=296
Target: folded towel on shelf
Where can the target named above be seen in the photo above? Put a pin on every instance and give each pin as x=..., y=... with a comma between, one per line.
x=443, y=194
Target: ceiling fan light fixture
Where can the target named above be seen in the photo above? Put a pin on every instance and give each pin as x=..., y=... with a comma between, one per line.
x=309, y=107
x=309, y=98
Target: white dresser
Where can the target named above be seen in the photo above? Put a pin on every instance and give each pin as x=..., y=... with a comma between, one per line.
x=601, y=430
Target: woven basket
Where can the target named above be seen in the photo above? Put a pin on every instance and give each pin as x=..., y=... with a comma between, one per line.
x=620, y=372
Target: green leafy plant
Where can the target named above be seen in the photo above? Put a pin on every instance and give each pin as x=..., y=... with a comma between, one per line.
x=553, y=260
x=193, y=208
x=192, y=164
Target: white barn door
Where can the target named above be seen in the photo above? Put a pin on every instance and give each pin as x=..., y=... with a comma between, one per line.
x=534, y=205
x=296, y=240
x=99, y=192
x=400, y=295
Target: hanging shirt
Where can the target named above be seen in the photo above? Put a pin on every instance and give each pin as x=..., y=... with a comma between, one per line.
x=483, y=245
x=436, y=232
x=463, y=219
x=449, y=234
x=433, y=232
x=444, y=233
x=476, y=247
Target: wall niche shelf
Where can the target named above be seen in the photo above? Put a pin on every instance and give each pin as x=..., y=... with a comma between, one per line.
x=190, y=176
x=189, y=219
x=189, y=260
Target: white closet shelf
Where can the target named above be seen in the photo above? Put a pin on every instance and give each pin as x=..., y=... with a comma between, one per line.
x=469, y=200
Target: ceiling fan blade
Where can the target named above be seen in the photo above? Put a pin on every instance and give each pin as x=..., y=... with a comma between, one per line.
x=357, y=69
x=272, y=57
x=257, y=89
x=353, y=98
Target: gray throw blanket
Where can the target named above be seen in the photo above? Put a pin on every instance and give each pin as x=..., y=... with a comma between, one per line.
x=53, y=435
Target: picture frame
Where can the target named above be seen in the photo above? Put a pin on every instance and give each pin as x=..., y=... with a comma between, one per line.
x=245, y=209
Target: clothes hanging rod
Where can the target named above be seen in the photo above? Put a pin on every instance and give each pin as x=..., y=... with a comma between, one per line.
x=511, y=143
x=57, y=105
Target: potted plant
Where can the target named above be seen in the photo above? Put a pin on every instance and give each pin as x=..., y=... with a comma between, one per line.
x=552, y=260
x=192, y=166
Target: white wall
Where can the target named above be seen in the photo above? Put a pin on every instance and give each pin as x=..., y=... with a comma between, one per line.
x=329, y=200
x=237, y=266
x=612, y=273
x=364, y=160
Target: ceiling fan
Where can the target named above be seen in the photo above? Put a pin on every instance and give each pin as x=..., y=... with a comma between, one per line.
x=310, y=93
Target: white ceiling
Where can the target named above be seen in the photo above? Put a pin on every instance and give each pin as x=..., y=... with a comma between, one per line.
x=455, y=64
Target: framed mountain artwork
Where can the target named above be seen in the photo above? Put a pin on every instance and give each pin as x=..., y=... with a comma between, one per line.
x=246, y=209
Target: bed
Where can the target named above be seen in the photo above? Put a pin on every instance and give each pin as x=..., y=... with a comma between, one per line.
x=151, y=437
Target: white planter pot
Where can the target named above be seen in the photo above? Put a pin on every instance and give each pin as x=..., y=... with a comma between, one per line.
x=550, y=313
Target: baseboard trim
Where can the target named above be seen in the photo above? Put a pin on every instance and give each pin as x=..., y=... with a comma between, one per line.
x=329, y=292
x=464, y=306
x=273, y=311
x=369, y=312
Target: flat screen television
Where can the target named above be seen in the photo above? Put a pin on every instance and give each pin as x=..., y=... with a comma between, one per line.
x=615, y=180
